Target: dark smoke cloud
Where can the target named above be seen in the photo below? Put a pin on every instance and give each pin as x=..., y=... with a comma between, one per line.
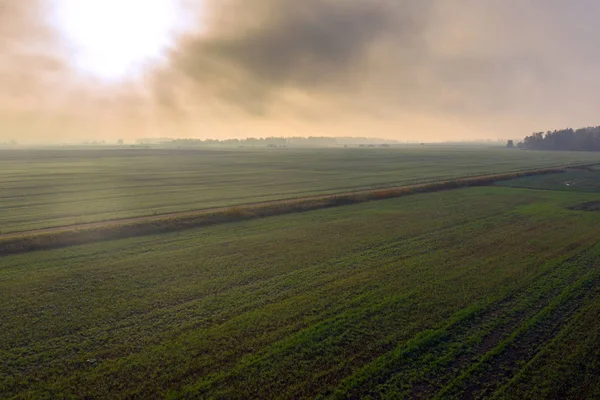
x=496, y=64
x=251, y=51
x=407, y=69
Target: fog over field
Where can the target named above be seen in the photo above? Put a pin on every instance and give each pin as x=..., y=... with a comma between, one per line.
x=425, y=70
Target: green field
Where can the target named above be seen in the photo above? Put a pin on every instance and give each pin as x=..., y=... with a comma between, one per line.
x=574, y=180
x=480, y=292
x=58, y=187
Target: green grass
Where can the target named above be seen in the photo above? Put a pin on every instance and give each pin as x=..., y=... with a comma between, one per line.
x=46, y=188
x=82, y=234
x=476, y=292
x=577, y=180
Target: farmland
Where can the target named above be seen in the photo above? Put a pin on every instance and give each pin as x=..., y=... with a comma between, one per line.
x=60, y=187
x=574, y=180
x=476, y=292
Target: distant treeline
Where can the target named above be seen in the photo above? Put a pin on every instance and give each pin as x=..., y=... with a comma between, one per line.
x=584, y=139
x=313, y=141
x=268, y=141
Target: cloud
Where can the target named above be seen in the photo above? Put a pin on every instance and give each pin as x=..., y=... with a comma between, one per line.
x=42, y=97
x=406, y=69
x=492, y=64
x=25, y=61
x=273, y=46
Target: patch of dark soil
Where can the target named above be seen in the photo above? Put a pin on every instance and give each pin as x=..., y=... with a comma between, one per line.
x=587, y=206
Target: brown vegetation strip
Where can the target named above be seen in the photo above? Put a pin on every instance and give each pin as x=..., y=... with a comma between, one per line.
x=49, y=238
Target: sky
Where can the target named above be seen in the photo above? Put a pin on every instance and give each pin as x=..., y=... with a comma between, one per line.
x=410, y=70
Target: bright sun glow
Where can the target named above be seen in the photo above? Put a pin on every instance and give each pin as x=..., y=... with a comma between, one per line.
x=113, y=39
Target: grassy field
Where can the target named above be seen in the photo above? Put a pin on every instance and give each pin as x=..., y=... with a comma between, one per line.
x=480, y=292
x=574, y=180
x=58, y=187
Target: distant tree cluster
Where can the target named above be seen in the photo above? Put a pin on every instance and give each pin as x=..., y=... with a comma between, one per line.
x=373, y=145
x=584, y=139
x=252, y=142
x=271, y=142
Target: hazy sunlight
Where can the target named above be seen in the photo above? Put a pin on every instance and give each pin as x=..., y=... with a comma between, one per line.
x=112, y=39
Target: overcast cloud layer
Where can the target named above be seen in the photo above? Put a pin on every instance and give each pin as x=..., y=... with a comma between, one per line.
x=408, y=70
